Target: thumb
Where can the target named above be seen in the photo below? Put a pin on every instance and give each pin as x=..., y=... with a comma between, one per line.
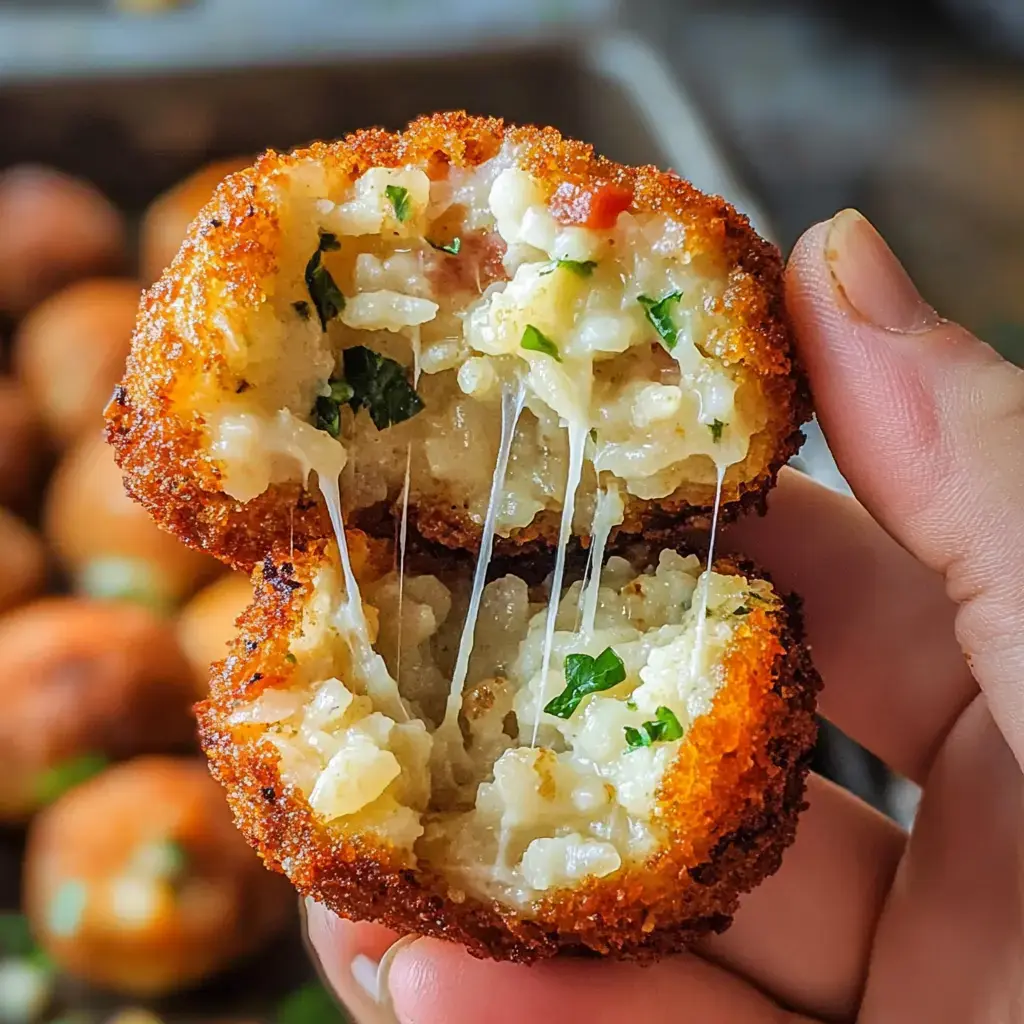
x=927, y=425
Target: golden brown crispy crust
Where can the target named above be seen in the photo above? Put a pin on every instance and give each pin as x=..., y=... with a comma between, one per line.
x=730, y=802
x=233, y=245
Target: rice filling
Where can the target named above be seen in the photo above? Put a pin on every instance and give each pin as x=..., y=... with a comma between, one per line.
x=505, y=818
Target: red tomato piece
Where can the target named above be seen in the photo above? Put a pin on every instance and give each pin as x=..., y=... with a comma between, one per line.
x=598, y=207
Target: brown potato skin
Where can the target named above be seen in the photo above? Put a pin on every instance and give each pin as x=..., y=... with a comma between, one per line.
x=22, y=561
x=234, y=241
x=70, y=351
x=88, y=516
x=24, y=457
x=84, y=677
x=91, y=834
x=56, y=230
x=166, y=220
x=207, y=624
x=751, y=755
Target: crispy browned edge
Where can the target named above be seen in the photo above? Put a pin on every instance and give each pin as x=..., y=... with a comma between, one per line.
x=234, y=240
x=731, y=801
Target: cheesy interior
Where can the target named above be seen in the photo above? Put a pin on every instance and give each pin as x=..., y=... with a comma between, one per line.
x=502, y=816
x=654, y=418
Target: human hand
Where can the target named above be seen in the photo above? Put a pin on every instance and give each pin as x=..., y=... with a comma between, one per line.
x=915, y=609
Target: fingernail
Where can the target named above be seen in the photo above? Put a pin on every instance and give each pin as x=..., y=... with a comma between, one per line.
x=365, y=970
x=872, y=280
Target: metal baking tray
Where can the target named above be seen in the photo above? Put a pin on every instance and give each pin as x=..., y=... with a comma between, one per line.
x=136, y=134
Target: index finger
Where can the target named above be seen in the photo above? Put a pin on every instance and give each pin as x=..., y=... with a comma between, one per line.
x=879, y=623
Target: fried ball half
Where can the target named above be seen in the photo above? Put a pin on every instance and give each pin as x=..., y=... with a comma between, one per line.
x=367, y=303
x=83, y=683
x=138, y=882
x=662, y=779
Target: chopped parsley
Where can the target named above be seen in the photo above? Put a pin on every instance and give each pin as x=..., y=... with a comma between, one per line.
x=585, y=674
x=659, y=314
x=581, y=268
x=452, y=248
x=302, y=308
x=716, y=429
x=536, y=341
x=58, y=779
x=327, y=410
x=741, y=610
x=400, y=201
x=631, y=704
x=380, y=386
x=664, y=728
x=311, y=1004
x=291, y=659
x=326, y=295
x=593, y=434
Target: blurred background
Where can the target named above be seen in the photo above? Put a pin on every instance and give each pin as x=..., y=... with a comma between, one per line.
x=127, y=895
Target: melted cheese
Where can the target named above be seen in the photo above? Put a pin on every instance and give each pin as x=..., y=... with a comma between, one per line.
x=512, y=398
x=577, y=441
x=704, y=582
x=608, y=513
x=351, y=618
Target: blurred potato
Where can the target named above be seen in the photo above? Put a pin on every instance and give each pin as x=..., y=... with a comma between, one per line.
x=167, y=218
x=23, y=449
x=23, y=558
x=55, y=229
x=207, y=623
x=84, y=682
x=70, y=351
x=107, y=542
x=138, y=881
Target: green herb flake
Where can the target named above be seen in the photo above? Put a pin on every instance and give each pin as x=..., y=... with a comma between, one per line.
x=536, y=341
x=327, y=416
x=716, y=429
x=659, y=314
x=380, y=386
x=67, y=907
x=670, y=726
x=631, y=704
x=663, y=729
x=291, y=659
x=327, y=408
x=452, y=248
x=593, y=434
x=581, y=268
x=400, y=202
x=585, y=674
x=302, y=308
x=311, y=1004
x=323, y=291
x=741, y=610
x=58, y=779
x=341, y=390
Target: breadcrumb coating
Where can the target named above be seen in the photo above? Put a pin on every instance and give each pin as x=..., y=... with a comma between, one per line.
x=730, y=800
x=229, y=262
